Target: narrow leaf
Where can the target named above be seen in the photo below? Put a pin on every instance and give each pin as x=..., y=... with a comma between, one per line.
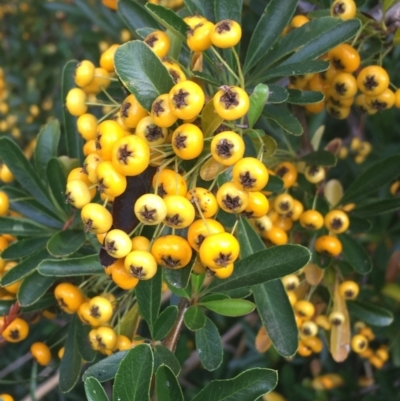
x=33, y=288
x=282, y=116
x=127, y=326
x=23, y=248
x=258, y=100
x=88, y=354
x=106, y=369
x=210, y=120
x=320, y=158
x=164, y=322
x=194, y=318
x=94, y=390
x=65, y=243
x=376, y=208
x=230, y=307
x=228, y=9
x=163, y=356
x=355, y=254
x=57, y=181
x=370, y=313
x=71, y=267
x=304, y=97
x=179, y=278
x=167, y=385
x=300, y=68
x=201, y=7
x=135, y=16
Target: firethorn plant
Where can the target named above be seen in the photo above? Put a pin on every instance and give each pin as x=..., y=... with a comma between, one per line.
x=184, y=192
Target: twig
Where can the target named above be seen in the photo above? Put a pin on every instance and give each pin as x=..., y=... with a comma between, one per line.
x=173, y=336
x=44, y=388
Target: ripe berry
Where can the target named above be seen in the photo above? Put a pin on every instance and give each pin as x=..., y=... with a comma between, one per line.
x=117, y=243
x=226, y=34
x=141, y=265
x=231, y=102
x=41, y=353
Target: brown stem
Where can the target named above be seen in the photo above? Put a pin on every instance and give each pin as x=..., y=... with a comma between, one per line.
x=173, y=336
x=300, y=114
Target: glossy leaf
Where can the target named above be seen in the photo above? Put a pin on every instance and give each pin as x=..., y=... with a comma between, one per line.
x=23, y=171
x=282, y=116
x=230, y=307
x=370, y=313
x=132, y=61
x=194, y=318
x=277, y=94
x=128, y=324
x=320, y=158
x=24, y=247
x=355, y=254
x=46, y=146
x=65, y=243
x=179, y=278
x=359, y=225
x=209, y=346
x=33, y=288
x=201, y=7
x=275, y=184
x=133, y=378
x=304, y=97
x=70, y=367
x=169, y=19
x=248, y=386
x=167, y=385
x=206, y=78
x=45, y=302
x=148, y=294
x=300, y=68
x=376, y=208
x=88, y=354
x=164, y=322
x=163, y=356
x=106, y=369
x=5, y=306
x=94, y=390
x=57, y=181
x=135, y=16
x=24, y=268
x=258, y=100
x=73, y=141
x=372, y=179
x=71, y=267
x=275, y=18
x=228, y=9
x=210, y=120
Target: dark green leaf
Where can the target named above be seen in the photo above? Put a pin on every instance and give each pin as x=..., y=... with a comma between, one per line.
x=372, y=179
x=300, y=68
x=263, y=266
x=73, y=141
x=71, y=267
x=132, y=61
x=106, y=369
x=206, y=78
x=201, y=7
x=355, y=254
x=169, y=19
x=282, y=116
x=23, y=248
x=129, y=322
x=275, y=184
x=197, y=281
x=209, y=346
x=20, y=227
x=359, y=225
x=194, y=318
x=304, y=97
x=163, y=356
x=230, y=307
x=135, y=15
x=57, y=181
x=23, y=171
x=94, y=390
x=167, y=385
x=248, y=386
x=228, y=9
x=320, y=158
x=258, y=100
x=82, y=337
x=277, y=94
x=24, y=268
x=33, y=288
x=210, y=120
x=70, y=368
x=164, y=322
x=133, y=379
x=148, y=294
x=370, y=313
x=273, y=21
x=5, y=306
x=46, y=146
x=45, y=302
x=250, y=242
x=179, y=278
x=376, y=208
x=65, y=243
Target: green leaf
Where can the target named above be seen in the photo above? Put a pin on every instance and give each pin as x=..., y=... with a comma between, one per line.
x=263, y=266
x=372, y=179
x=65, y=243
x=23, y=171
x=169, y=19
x=258, y=100
x=33, y=288
x=71, y=267
x=179, y=278
x=275, y=184
x=94, y=390
x=148, y=294
x=359, y=225
x=214, y=297
x=387, y=4
x=23, y=248
x=248, y=386
x=70, y=367
x=164, y=322
x=45, y=302
x=5, y=306
x=209, y=346
x=304, y=97
x=73, y=141
x=320, y=158
x=133, y=378
x=300, y=68
x=24, y=268
x=370, y=313
x=355, y=254
x=277, y=94
x=167, y=385
x=373, y=209
x=228, y=9
x=282, y=116
x=20, y=227
x=201, y=7
x=230, y=307
x=273, y=21
x=57, y=181
x=82, y=337
x=135, y=16
x=210, y=120
x=106, y=369
x=46, y=146
x=206, y=78
x=132, y=61
x=194, y=318
x=128, y=324
x=163, y=356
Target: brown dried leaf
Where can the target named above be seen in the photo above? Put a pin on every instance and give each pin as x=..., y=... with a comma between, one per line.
x=393, y=268
x=210, y=169
x=263, y=342
x=314, y=274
